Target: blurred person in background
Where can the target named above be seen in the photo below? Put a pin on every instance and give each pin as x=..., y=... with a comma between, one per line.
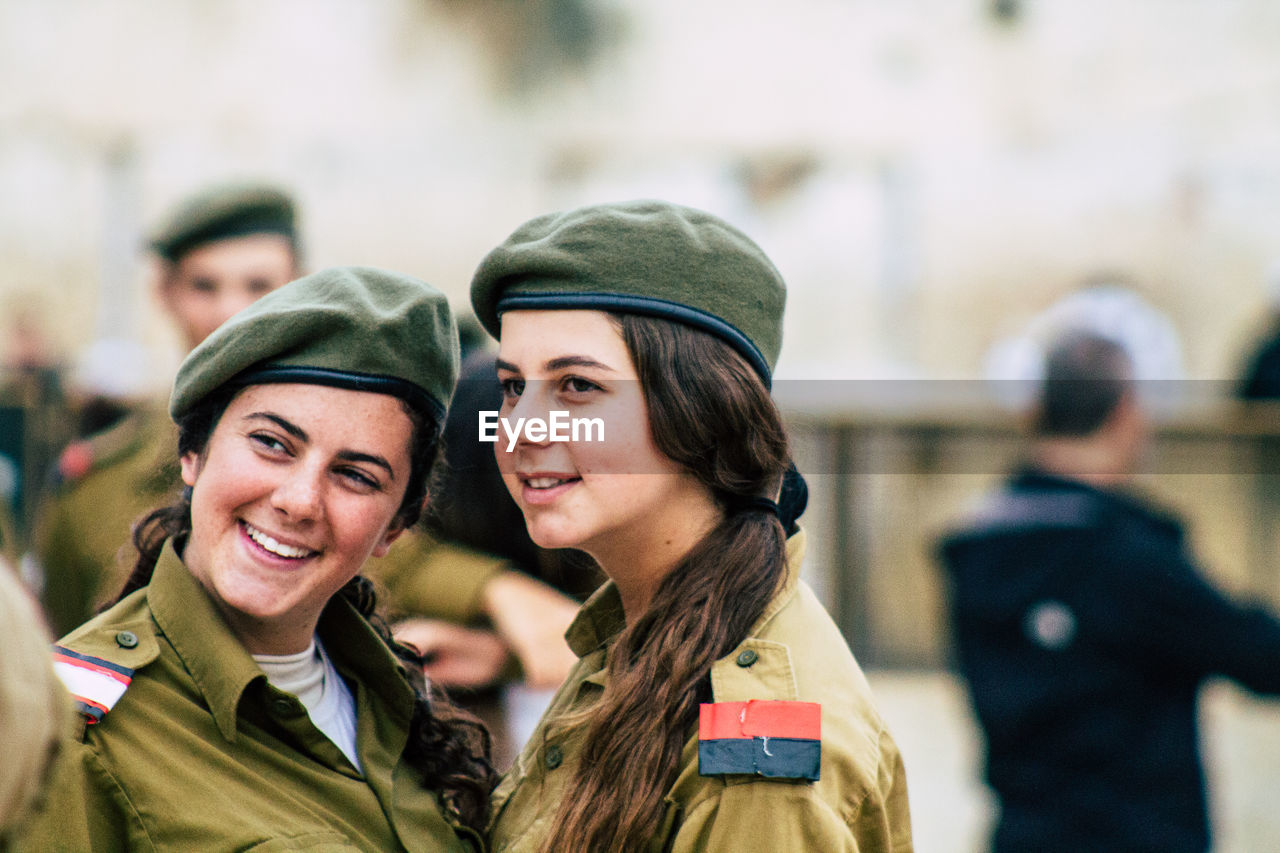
x=242, y=693
x=33, y=707
x=217, y=251
x=1085, y=630
x=714, y=705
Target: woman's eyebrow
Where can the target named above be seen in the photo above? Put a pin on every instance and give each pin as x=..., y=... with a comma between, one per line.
x=288, y=426
x=368, y=458
x=558, y=364
x=575, y=361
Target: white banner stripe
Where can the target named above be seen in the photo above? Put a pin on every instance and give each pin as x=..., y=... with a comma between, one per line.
x=89, y=684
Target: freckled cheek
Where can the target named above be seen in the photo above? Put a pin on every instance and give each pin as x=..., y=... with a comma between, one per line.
x=618, y=454
x=357, y=522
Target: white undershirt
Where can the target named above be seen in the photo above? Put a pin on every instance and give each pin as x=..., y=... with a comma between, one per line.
x=311, y=676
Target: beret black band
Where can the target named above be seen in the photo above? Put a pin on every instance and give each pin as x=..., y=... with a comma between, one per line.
x=349, y=380
x=648, y=306
x=244, y=228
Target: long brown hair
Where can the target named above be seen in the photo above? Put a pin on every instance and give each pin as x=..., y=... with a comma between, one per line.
x=709, y=412
x=449, y=748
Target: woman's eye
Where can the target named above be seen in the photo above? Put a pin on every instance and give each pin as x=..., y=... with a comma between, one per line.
x=360, y=478
x=512, y=388
x=578, y=385
x=267, y=441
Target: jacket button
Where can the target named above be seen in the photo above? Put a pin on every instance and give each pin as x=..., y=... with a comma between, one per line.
x=127, y=640
x=282, y=706
x=555, y=756
x=747, y=657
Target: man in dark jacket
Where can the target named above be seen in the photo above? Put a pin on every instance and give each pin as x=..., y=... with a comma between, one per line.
x=1085, y=631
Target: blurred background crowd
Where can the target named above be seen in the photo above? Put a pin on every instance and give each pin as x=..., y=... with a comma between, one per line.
x=945, y=187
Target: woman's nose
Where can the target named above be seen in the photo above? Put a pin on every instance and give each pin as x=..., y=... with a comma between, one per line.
x=534, y=403
x=299, y=495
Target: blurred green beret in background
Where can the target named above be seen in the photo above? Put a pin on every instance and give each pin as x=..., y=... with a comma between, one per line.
x=358, y=328
x=223, y=211
x=640, y=257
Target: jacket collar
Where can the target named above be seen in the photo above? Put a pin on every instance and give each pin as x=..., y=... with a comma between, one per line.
x=1122, y=499
x=602, y=618
x=361, y=655
x=223, y=669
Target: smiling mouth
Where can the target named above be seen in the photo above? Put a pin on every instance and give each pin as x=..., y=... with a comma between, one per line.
x=274, y=546
x=542, y=483
x=545, y=489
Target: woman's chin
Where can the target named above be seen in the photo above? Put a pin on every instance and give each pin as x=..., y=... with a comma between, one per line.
x=552, y=536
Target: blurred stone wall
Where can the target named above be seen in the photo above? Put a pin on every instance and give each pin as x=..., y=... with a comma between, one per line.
x=929, y=174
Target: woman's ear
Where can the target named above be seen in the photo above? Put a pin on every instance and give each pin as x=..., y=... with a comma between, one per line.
x=384, y=544
x=190, y=467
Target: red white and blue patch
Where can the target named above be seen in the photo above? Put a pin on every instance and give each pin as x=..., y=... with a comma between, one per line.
x=775, y=739
x=94, y=683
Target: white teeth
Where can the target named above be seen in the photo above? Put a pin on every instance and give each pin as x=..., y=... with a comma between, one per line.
x=278, y=548
x=544, y=482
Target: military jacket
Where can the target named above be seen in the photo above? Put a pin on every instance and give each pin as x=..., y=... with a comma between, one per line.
x=794, y=653
x=423, y=576
x=202, y=753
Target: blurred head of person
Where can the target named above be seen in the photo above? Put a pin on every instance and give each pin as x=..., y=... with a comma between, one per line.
x=220, y=250
x=32, y=705
x=1088, y=422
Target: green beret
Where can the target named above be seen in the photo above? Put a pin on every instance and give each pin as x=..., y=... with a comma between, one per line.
x=358, y=328
x=640, y=257
x=223, y=211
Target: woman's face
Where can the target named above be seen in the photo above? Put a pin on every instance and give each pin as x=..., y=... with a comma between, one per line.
x=298, y=485
x=607, y=497
x=212, y=282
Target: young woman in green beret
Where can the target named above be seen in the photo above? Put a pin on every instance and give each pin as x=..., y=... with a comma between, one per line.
x=241, y=695
x=715, y=705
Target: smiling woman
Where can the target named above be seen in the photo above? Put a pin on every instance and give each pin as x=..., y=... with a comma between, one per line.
x=240, y=694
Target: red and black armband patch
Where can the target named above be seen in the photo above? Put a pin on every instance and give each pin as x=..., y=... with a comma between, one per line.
x=94, y=683
x=774, y=739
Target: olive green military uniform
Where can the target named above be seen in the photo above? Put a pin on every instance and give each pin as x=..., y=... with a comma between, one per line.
x=423, y=576
x=10, y=553
x=794, y=653
x=201, y=753
x=107, y=482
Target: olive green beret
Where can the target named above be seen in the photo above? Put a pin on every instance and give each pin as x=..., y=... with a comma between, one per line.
x=358, y=328
x=223, y=211
x=640, y=257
